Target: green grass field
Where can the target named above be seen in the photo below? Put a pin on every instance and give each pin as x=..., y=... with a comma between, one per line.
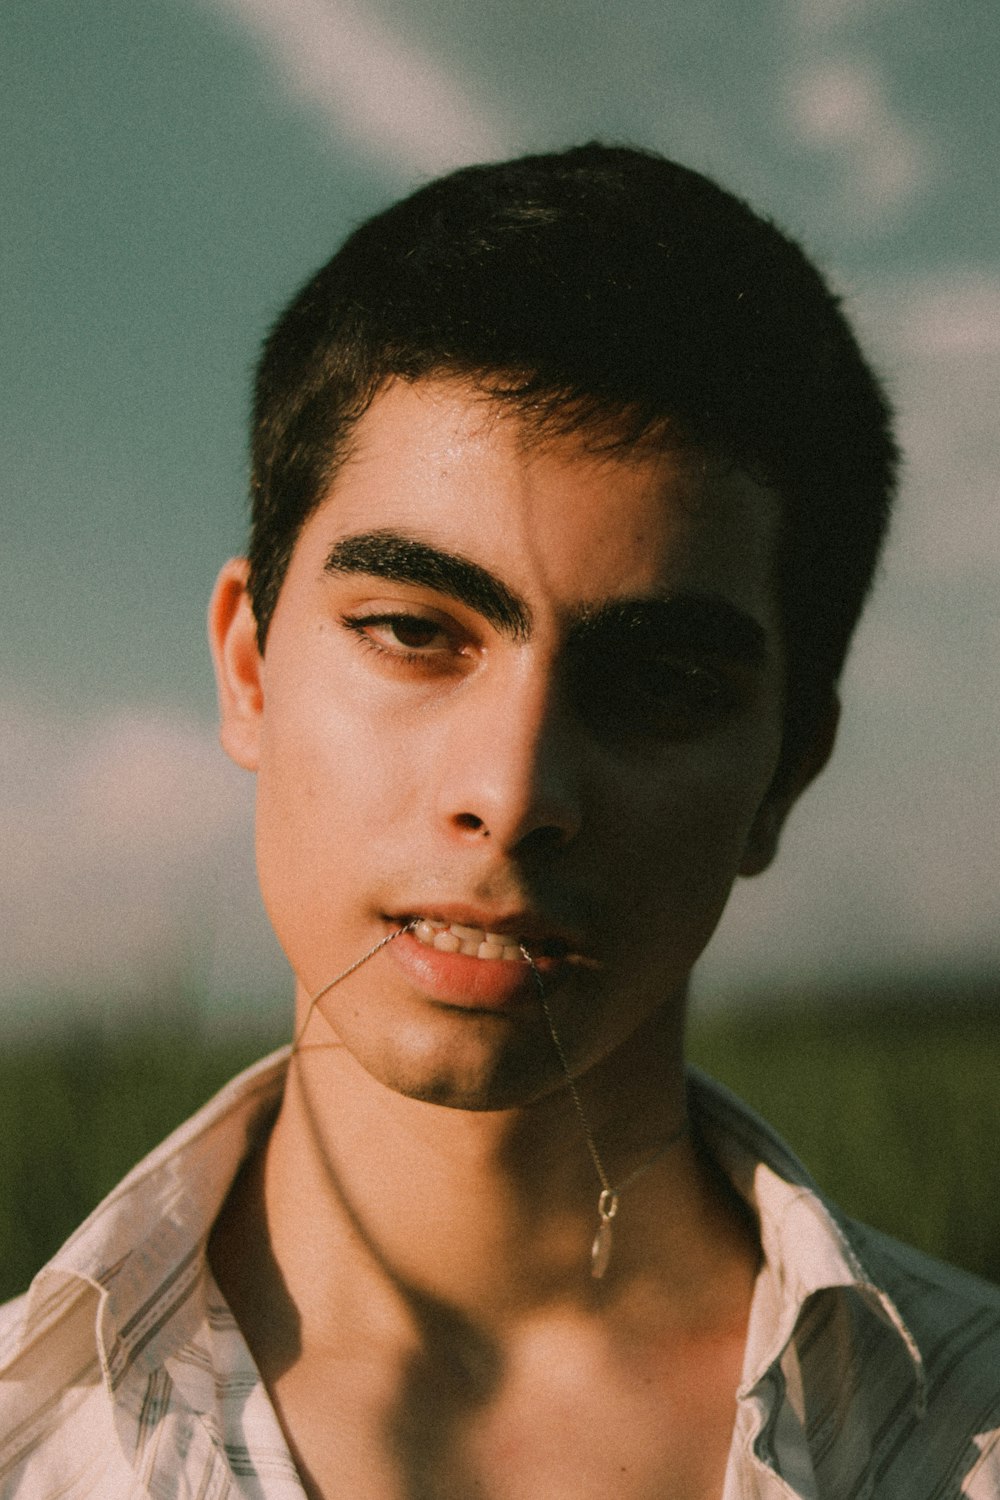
x=894, y=1111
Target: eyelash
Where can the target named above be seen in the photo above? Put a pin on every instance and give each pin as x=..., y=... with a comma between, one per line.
x=660, y=693
x=361, y=625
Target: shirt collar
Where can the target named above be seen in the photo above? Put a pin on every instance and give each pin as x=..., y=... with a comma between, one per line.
x=135, y=1264
x=807, y=1243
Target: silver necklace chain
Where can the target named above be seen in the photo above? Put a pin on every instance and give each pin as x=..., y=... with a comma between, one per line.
x=382, y=942
x=607, y=1203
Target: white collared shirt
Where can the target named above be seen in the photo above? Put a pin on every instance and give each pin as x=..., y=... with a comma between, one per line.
x=870, y=1370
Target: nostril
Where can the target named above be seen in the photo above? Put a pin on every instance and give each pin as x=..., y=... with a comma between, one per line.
x=472, y=823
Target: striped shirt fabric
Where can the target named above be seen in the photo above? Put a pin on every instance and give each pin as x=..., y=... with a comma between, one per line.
x=870, y=1370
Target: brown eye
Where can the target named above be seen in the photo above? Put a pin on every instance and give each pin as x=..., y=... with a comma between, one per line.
x=412, y=639
x=653, y=695
x=412, y=632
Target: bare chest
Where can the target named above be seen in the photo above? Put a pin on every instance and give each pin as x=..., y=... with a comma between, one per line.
x=552, y=1427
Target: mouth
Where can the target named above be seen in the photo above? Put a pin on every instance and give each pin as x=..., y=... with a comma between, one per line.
x=487, y=943
x=486, y=965
x=479, y=942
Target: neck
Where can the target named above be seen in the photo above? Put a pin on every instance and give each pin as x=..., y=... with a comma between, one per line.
x=367, y=1198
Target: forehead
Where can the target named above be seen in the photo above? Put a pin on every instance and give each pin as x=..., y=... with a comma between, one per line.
x=568, y=514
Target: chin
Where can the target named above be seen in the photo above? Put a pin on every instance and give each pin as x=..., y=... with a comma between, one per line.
x=492, y=1079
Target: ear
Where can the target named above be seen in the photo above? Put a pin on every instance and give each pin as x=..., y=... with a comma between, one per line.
x=232, y=635
x=787, y=787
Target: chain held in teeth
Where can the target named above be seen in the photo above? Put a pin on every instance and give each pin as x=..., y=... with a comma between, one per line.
x=346, y=974
x=607, y=1203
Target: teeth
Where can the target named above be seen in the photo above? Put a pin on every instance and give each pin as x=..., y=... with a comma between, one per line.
x=474, y=942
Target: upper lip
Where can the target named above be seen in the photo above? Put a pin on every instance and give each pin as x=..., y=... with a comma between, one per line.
x=527, y=926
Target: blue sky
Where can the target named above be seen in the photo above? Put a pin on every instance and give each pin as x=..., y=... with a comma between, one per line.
x=172, y=171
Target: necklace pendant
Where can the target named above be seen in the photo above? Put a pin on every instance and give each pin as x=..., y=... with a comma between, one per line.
x=600, y=1250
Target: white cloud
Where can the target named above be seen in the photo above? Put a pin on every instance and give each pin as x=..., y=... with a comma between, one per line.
x=125, y=858
x=835, y=102
x=839, y=106
x=938, y=339
x=829, y=15
x=370, y=84
x=954, y=316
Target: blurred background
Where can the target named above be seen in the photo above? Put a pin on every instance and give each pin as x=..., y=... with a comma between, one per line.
x=170, y=173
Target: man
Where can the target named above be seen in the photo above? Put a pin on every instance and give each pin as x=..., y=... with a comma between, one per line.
x=569, y=483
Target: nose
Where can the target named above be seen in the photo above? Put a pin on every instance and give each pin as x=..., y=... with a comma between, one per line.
x=511, y=770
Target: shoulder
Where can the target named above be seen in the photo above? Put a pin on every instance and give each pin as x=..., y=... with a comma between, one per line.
x=923, y=1396
x=952, y=1317
x=57, y=1434
x=888, y=1358
x=85, y=1354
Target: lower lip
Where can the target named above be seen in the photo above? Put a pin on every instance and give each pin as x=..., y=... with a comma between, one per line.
x=479, y=984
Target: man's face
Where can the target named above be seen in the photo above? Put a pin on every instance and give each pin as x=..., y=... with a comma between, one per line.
x=528, y=687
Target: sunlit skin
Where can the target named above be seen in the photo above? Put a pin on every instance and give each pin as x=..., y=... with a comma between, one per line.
x=583, y=757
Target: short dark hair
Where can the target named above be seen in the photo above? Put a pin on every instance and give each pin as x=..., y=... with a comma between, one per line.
x=600, y=288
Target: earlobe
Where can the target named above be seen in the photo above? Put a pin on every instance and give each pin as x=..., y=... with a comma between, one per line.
x=762, y=843
x=791, y=781
x=232, y=635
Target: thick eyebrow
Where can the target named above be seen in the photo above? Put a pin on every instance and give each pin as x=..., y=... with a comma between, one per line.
x=696, y=621
x=399, y=558
x=702, y=622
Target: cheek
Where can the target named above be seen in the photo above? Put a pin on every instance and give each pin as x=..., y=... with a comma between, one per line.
x=322, y=807
x=680, y=846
